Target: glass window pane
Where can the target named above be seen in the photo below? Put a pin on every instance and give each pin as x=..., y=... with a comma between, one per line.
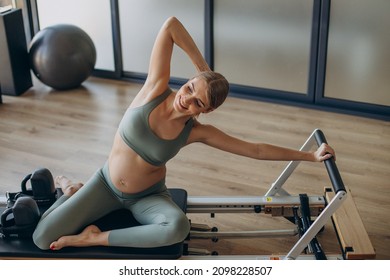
x=93, y=16
x=140, y=22
x=264, y=43
x=358, y=60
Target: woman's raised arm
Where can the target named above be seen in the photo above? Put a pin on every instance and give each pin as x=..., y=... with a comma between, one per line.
x=172, y=32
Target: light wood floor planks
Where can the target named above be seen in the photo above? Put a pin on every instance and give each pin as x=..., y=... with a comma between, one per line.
x=71, y=133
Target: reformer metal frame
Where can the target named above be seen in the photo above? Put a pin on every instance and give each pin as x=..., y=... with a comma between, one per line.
x=275, y=198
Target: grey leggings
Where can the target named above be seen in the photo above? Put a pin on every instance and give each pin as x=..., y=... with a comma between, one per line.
x=162, y=222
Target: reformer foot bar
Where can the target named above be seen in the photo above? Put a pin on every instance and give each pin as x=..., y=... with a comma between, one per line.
x=353, y=237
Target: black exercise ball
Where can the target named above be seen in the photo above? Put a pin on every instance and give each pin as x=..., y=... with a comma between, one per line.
x=62, y=56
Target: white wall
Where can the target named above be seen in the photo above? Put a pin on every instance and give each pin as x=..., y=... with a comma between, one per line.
x=93, y=16
x=140, y=22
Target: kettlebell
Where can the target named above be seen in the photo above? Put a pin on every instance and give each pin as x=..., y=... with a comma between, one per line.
x=42, y=186
x=21, y=219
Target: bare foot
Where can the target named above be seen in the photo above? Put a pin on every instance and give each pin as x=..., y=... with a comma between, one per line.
x=67, y=186
x=90, y=236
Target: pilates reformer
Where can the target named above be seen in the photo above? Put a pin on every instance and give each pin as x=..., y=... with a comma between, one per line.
x=336, y=205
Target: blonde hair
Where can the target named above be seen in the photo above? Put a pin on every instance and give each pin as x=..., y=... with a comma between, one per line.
x=218, y=87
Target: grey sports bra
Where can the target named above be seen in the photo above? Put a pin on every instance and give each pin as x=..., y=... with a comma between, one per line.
x=137, y=134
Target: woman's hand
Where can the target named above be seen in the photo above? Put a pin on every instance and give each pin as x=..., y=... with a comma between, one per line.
x=324, y=152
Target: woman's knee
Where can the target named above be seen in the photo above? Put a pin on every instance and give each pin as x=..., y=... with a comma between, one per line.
x=40, y=240
x=179, y=229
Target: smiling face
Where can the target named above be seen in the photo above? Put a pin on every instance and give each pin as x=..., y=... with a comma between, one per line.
x=192, y=98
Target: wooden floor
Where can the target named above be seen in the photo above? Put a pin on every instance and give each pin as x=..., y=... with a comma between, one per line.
x=71, y=133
